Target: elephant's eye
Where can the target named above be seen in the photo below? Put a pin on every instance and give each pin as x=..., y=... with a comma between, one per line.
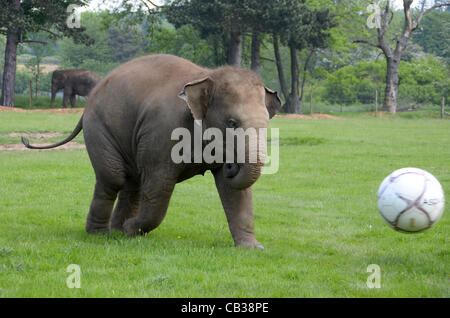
x=232, y=123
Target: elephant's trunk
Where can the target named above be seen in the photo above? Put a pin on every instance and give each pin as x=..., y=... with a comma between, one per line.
x=243, y=175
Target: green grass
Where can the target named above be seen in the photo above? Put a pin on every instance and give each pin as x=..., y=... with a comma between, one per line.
x=43, y=102
x=316, y=217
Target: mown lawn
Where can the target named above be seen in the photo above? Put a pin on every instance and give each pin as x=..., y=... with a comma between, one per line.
x=43, y=102
x=316, y=217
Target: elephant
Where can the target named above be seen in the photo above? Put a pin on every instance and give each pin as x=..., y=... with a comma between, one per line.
x=74, y=82
x=128, y=121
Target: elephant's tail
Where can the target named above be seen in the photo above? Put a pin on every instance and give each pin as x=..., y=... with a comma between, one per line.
x=74, y=133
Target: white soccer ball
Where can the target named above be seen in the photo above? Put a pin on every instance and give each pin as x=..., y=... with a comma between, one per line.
x=410, y=200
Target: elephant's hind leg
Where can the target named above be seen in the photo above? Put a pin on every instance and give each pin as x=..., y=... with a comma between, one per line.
x=73, y=100
x=101, y=208
x=127, y=205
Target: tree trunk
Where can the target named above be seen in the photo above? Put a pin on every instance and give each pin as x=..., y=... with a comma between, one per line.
x=392, y=81
x=304, y=76
x=235, y=52
x=9, y=71
x=293, y=102
x=256, y=53
x=443, y=107
x=281, y=76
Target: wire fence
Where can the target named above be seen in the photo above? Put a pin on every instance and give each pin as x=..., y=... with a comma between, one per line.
x=357, y=98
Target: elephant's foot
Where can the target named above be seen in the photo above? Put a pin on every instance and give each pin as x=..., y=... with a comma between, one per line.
x=117, y=222
x=132, y=227
x=92, y=228
x=251, y=243
x=117, y=226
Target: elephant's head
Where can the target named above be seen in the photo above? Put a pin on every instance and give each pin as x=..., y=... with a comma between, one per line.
x=234, y=98
x=58, y=79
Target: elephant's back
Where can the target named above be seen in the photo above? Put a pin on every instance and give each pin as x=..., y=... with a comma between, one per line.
x=147, y=85
x=144, y=89
x=146, y=77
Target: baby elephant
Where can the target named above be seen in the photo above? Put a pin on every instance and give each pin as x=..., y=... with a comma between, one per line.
x=129, y=124
x=73, y=82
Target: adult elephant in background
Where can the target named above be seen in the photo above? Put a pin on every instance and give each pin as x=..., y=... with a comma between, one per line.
x=73, y=82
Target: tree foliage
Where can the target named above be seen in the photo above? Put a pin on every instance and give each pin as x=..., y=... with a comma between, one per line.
x=434, y=35
x=394, y=47
x=20, y=18
x=421, y=81
x=32, y=16
x=300, y=45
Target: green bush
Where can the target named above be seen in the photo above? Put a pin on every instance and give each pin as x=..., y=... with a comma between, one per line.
x=102, y=69
x=422, y=81
x=23, y=78
x=355, y=83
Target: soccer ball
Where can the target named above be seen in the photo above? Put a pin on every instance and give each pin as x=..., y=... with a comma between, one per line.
x=410, y=200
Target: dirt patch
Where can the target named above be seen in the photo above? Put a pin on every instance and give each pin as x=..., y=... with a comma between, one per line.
x=34, y=135
x=59, y=111
x=52, y=111
x=314, y=116
x=20, y=147
x=12, y=110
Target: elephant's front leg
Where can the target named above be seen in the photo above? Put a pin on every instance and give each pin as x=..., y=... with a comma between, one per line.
x=52, y=102
x=67, y=95
x=238, y=206
x=155, y=197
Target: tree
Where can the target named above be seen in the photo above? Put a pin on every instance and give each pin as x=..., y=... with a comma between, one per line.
x=183, y=42
x=219, y=20
x=433, y=34
x=423, y=81
x=301, y=29
x=289, y=21
x=393, y=54
x=19, y=18
x=38, y=52
x=198, y=34
x=75, y=54
x=227, y=22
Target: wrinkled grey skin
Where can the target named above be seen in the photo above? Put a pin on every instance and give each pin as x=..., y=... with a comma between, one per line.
x=128, y=122
x=73, y=82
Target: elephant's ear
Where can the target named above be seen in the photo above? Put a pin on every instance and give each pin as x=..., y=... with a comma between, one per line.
x=197, y=95
x=273, y=102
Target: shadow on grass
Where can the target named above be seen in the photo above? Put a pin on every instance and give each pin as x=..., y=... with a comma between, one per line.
x=299, y=141
x=156, y=238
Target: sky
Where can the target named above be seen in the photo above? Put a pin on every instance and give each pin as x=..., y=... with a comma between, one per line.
x=96, y=4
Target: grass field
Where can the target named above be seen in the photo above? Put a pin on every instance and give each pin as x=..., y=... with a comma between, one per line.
x=43, y=102
x=316, y=217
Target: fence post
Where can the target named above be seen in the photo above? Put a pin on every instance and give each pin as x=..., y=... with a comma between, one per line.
x=310, y=102
x=31, y=93
x=443, y=107
x=376, y=103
